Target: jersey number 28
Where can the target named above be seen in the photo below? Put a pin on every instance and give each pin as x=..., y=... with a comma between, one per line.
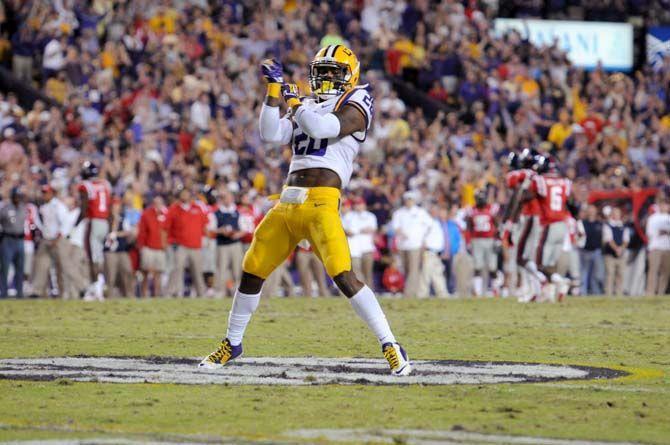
x=305, y=145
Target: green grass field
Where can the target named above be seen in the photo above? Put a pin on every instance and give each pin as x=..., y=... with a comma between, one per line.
x=629, y=334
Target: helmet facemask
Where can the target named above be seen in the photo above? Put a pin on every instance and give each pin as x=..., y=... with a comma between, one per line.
x=329, y=78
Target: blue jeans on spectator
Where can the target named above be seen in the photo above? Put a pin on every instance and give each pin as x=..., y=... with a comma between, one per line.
x=11, y=252
x=448, y=275
x=593, y=271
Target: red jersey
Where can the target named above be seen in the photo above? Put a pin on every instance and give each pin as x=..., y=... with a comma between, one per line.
x=186, y=224
x=209, y=210
x=552, y=193
x=151, y=227
x=515, y=178
x=248, y=221
x=99, y=194
x=482, y=221
x=523, y=178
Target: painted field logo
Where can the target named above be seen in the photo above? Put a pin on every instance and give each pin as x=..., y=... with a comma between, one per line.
x=288, y=371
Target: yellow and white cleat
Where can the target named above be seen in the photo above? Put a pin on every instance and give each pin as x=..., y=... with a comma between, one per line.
x=225, y=353
x=397, y=358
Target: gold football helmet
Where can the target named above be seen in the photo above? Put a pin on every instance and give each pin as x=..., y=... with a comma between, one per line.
x=334, y=70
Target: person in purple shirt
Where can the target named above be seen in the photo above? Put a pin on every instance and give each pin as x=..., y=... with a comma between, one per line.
x=471, y=89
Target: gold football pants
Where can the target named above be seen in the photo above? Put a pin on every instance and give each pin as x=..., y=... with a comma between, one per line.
x=317, y=220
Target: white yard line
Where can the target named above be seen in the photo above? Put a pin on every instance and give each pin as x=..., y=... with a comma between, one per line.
x=429, y=437
x=317, y=436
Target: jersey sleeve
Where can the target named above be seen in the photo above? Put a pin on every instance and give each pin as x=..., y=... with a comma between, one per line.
x=360, y=99
x=538, y=186
x=141, y=230
x=511, y=180
x=274, y=129
x=82, y=188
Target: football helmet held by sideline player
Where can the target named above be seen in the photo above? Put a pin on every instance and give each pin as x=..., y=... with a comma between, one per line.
x=89, y=170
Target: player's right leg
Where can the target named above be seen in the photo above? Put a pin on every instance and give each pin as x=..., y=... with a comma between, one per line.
x=97, y=231
x=556, y=233
x=478, y=261
x=271, y=245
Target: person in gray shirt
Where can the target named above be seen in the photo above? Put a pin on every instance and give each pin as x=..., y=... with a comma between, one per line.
x=12, y=223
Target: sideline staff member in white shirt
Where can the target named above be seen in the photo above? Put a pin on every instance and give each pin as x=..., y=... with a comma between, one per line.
x=51, y=251
x=360, y=225
x=432, y=270
x=75, y=270
x=410, y=224
x=658, y=234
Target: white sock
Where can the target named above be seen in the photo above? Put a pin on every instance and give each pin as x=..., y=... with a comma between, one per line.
x=99, y=285
x=522, y=285
x=532, y=268
x=243, y=306
x=478, y=286
x=535, y=285
x=367, y=307
x=558, y=279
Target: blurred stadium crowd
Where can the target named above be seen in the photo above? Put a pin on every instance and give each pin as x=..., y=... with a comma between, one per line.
x=163, y=98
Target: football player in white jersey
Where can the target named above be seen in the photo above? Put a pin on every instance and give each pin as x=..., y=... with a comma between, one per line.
x=325, y=131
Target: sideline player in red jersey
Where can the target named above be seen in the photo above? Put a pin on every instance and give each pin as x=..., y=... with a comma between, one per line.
x=522, y=219
x=482, y=232
x=552, y=192
x=95, y=198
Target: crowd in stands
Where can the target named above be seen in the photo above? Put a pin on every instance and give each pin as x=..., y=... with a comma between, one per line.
x=164, y=97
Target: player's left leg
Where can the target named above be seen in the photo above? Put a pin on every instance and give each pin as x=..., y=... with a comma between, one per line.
x=529, y=254
x=366, y=306
x=553, y=248
x=99, y=228
x=575, y=272
x=497, y=279
x=478, y=262
x=326, y=235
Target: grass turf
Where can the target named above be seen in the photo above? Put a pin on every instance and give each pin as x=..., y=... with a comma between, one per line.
x=633, y=334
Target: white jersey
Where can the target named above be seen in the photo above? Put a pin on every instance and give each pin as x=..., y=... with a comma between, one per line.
x=354, y=222
x=337, y=153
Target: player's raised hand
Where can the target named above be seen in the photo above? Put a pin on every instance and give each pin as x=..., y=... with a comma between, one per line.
x=272, y=71
x=291, y=94
x=290, y=91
